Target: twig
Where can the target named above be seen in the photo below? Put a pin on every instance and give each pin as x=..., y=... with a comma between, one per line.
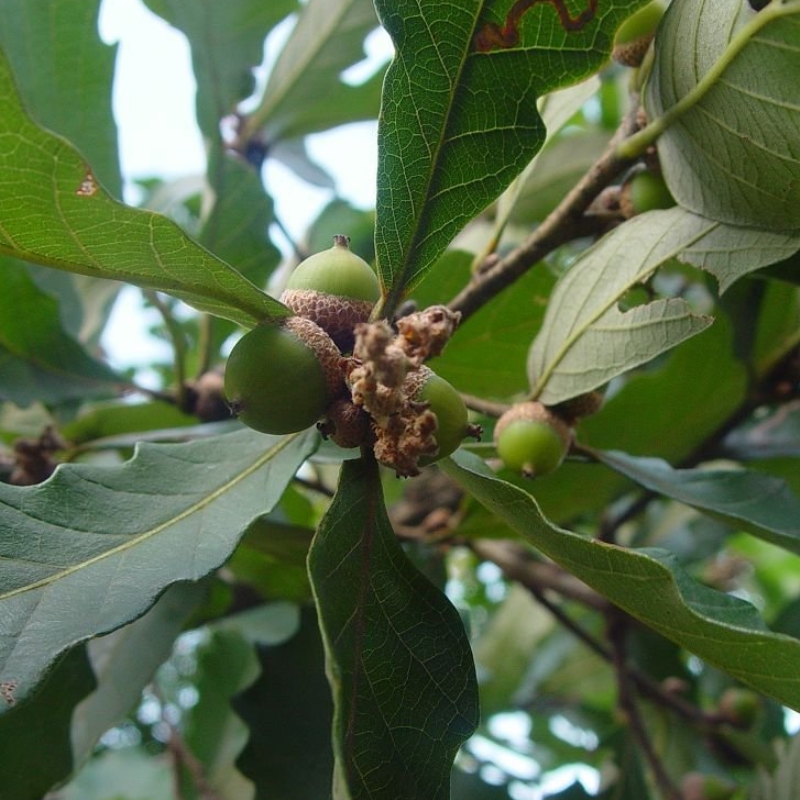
x=617, y=634
x=539, y=577
x=565, y=223
x=314, y=486
x=178, y=343
x=519, y=565
x=182, y=756
x=487, y=407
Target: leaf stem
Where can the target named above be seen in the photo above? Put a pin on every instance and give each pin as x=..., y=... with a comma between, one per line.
x=178, y=344
x=636, y=145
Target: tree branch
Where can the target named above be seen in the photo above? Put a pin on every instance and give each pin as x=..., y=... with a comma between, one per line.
x=617, y=634
x=566, y=222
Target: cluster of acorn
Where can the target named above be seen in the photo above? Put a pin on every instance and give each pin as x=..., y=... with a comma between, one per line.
x=284, y=377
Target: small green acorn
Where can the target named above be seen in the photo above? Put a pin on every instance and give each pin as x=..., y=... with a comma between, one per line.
x=635, y=34
x=280, y=378
x=336, y=289
x=644, y=191
x=452, y=418
x=531, y=439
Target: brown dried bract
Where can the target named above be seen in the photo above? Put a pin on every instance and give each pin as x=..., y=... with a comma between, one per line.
x=386, y=374
x=424, y=334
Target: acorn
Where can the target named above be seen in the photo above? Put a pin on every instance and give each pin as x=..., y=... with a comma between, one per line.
x=280, y=378
x=429, y=423
x=429, y=390
x=644, y=191
x=334, y=288
x=531, y=439
x=635, y=34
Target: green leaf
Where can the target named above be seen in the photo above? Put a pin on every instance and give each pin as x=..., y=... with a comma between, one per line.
x=398, y=658
x=38, y=359
x=125, y=661
x=586, y=339
x=66, y=73
x=688, y=394
x=304, y=93
x=730, y=252
x=39, y=726
x=118, y=417
x=289, y=711
x=761, y=504
x=719, y=85
x=556, y=108
x=272, y=559
x=226, y=664
x=54, y=212
x=649, y=585
x=110, y=549
x=227, y=42
x=459, y=118
x=237, y=229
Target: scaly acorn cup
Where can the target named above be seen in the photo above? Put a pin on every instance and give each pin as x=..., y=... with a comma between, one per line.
x=280, y=378
x=334, y=288
x=531, y=439
x=635, y=34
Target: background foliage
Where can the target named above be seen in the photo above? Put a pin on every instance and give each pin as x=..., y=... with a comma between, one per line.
x=193, y=610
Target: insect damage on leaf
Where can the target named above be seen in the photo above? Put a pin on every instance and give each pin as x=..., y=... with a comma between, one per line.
x=8, y=691
x=493, y=36
x=88, y=186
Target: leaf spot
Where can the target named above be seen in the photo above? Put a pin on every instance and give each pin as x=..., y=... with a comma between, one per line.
x=88, y=186
x=493, y=36
x=8, y=690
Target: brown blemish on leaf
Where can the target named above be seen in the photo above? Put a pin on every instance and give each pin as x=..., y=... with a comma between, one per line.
x=8, y=691
x=88, y=186
x=500, y=37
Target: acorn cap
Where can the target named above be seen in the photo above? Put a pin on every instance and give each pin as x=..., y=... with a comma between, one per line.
x=327, y=353
x=534, y=411
x=336, y=289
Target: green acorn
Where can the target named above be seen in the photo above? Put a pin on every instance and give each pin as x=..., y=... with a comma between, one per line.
x=645, y=191
x=452, y=418
x=335, y=289
x=280, y=378
x=531, y=439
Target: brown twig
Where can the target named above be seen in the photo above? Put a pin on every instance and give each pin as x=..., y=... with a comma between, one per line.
x=617, y=634
x=182, y=757
x=519, y=564
x=540, y=577
x=487, y=407
x=566, y=222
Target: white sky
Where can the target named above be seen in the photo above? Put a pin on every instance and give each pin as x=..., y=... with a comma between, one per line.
x=154, y=97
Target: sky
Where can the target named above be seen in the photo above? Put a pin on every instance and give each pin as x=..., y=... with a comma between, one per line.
x=154, y=96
